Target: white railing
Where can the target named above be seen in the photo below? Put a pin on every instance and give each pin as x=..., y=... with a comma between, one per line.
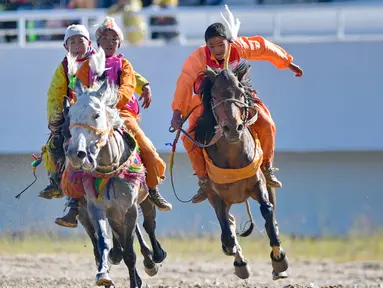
x=302, y=23
x=85, y=17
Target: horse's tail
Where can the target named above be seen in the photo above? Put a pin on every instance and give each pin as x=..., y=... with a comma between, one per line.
x=248, y=231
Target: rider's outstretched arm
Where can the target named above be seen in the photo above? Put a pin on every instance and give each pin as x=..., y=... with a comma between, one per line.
x=258, y=48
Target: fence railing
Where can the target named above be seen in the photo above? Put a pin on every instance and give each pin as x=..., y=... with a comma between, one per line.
x=281, y=24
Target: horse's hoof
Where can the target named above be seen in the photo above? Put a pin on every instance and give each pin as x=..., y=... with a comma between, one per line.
x=104, y=279
x=281, y=264
x=281, y=275
x=151, y=271
x=160, y=257
x=227, y=251
x=242, y=270
x=115, y=256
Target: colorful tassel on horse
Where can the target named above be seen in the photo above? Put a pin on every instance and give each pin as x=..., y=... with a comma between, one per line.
x=136, y=166
x=99, y=184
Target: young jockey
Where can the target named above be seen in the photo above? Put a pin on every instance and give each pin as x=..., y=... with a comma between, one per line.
x=77, y=42
x=109, y=37
x=212, y=54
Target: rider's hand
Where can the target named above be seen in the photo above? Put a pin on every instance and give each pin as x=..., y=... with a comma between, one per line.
x=296, y=69
x=176, y=120
x=147, y=96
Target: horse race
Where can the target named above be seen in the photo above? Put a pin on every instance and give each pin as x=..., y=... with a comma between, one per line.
x=144, y=151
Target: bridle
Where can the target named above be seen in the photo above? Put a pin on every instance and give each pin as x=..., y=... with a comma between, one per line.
x=246, y=122
x=101, y=133
x=218, y=129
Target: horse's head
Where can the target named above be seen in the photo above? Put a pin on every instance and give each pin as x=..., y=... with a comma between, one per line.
x=226, y=94
x=92, y=121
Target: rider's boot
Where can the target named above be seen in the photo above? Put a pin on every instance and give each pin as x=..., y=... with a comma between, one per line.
x=156, y=198
x=70, y=219
x=201, y=193
x=271, y=179
x=52, y=190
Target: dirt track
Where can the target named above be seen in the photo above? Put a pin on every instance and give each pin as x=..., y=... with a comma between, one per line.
x=61, y=271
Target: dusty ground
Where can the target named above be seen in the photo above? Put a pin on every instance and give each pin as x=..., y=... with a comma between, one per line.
x=62, y=270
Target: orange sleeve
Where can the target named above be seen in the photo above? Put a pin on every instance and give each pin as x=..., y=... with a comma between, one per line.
x=83, y=73
x=194, y=65
x=127, y=84
x=258, y=48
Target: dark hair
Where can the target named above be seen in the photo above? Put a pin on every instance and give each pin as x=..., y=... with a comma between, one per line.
x=215, y=30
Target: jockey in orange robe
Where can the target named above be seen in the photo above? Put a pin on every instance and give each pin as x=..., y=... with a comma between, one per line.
x=212, y=54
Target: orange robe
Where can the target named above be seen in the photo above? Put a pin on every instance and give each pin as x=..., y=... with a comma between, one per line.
x=249, y=48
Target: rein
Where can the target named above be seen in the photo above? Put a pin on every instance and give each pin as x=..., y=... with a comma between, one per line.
x=218, y=135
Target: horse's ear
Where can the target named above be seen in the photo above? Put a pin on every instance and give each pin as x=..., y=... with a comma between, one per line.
x=210, y=74
x=243, y=72
x=103, y=86
x=78, y=88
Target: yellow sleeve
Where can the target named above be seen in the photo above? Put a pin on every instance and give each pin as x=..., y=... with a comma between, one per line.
x=56, y=93
x=140, y=82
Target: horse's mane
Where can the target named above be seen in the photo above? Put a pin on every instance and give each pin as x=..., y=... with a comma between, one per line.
x=110, y=94
x=111, y=98
x=205, y=128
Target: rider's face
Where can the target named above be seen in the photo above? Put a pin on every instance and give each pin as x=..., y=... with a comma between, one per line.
x=218, y=46
x=77, y=45
x=110, y=42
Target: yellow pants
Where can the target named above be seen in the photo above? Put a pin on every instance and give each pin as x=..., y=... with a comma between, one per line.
x=50, y=161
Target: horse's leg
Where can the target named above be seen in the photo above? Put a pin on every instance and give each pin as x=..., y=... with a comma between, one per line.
x=278, y=255
x=130, y=224
x=242, y=269
x=273, y=199
x=149, y=213
x=150, y=267
x=116, y=253
x=98, y=216
x=85, y=221
x=227, y=237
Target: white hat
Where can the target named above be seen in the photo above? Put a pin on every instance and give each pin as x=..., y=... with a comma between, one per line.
x=76, y=29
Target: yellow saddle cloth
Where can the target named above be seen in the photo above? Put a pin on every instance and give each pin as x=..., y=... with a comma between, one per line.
x=227, y=176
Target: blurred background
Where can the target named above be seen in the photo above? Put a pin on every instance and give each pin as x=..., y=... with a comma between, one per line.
x=329, y=145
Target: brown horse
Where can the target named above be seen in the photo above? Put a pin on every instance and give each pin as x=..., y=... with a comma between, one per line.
x=233, y=162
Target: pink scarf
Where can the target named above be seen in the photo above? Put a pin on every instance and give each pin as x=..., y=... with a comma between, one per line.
x=113, y=66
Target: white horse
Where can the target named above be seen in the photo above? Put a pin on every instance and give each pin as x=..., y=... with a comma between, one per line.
x=112, y=174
